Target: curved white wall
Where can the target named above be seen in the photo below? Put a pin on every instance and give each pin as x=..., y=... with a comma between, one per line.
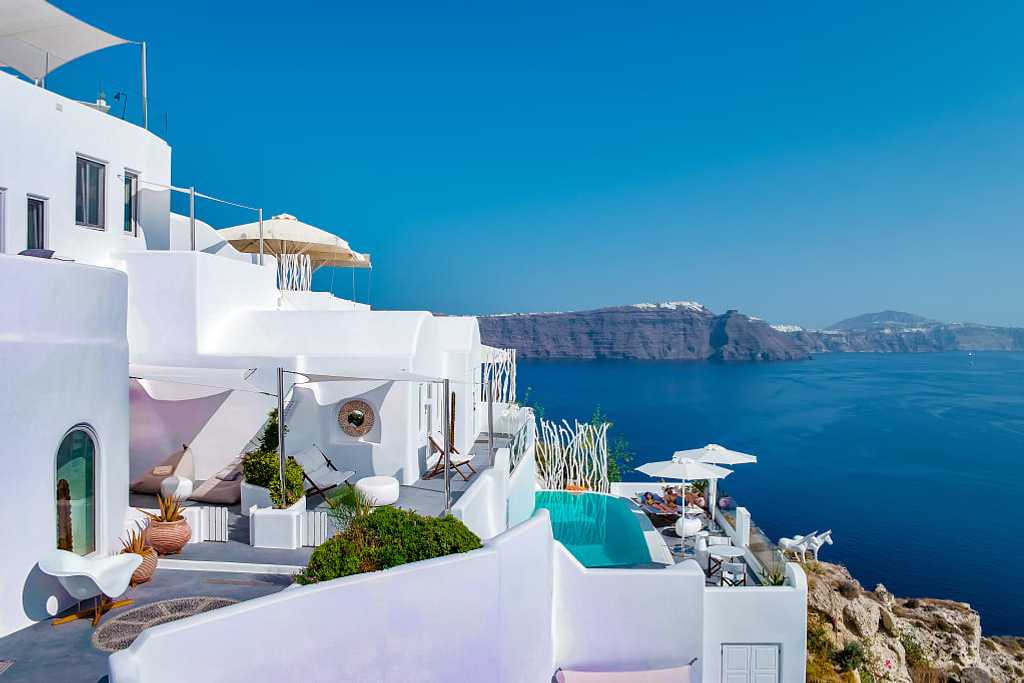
x=64, y=361
x=43, y=133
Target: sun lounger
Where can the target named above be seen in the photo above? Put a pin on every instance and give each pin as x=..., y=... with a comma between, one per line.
x=223, y=488
x=177, y=464
x=677, y=674
x=319, y=472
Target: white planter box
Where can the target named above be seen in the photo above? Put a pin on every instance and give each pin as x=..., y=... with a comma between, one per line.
x=270, y=528
x=254, y=495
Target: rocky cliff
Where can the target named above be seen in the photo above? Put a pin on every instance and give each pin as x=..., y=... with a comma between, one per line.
x=686, y=330
x=669, y=331
x=900, y=640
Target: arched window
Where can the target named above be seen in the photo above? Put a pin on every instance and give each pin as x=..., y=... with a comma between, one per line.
x=76, y=492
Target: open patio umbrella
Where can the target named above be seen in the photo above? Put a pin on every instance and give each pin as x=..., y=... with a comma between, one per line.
x=684, y=469
x=719, y=455
x=300, y=248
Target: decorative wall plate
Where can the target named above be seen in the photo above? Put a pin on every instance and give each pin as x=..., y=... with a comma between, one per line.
x=356, y=418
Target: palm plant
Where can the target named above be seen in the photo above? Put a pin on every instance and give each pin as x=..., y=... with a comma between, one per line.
x=169, y=510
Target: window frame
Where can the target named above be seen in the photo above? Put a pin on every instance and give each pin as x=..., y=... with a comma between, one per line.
x=45, y=201
x=102, y=201
x=133, y=231
x=97, y=541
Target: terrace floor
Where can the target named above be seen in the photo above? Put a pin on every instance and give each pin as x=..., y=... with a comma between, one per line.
x=426, y=496
x=44, y=652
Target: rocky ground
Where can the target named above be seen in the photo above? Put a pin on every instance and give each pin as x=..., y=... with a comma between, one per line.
x=902, y=640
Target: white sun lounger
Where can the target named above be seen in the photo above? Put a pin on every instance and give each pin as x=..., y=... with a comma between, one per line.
x=677, y=674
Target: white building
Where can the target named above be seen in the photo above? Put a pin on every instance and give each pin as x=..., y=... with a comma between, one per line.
x=131, y=341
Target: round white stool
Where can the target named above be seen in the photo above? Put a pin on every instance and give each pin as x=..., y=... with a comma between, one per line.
x=177, y=487
x=687, y=526
x=379, y=490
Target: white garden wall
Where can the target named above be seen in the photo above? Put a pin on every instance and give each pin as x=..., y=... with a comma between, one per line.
x=483, y=615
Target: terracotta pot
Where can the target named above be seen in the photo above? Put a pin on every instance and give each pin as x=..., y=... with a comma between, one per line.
x=168, y=538
x=145, y=570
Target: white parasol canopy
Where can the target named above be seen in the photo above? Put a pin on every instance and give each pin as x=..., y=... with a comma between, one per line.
x=714, y=453
x=300, y=248
x=684, y=469
x=36, y=37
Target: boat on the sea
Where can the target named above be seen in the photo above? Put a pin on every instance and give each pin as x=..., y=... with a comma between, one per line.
x=179, y=394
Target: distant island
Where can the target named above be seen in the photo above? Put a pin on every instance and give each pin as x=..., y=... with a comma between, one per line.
x=687, y=330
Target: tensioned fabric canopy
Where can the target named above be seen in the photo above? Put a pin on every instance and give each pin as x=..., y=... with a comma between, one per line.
x=36, y=37
x=284, y=234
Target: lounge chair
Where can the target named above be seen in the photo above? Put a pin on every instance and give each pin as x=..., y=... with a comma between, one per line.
x=677, y=674
x=223, y=488
x=101, y=578
x=319, y=472
x=177, y=464
x=435, y=461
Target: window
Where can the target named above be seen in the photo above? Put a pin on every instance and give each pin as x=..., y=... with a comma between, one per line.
x=89, y=193
x=76, y=492
x=131, y=203
x=36, y=223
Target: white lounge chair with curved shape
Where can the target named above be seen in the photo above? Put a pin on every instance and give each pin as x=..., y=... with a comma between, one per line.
x=676, y=674
x=815, y=541
x=101, y=578
x=797, y=545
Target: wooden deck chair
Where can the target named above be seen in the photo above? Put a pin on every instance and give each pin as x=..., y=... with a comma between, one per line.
x=319, y=472
x=457, y=462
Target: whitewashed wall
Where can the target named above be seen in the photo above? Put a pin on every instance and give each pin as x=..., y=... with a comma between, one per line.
x=626, y=619
x=483, y=615
x=43, y=133
x=63, y=361
x=758, y=615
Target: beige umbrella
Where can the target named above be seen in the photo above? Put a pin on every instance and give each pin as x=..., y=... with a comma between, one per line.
x=300, y=248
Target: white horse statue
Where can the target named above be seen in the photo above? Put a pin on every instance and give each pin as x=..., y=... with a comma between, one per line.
x=815, y=542
x=798, y=545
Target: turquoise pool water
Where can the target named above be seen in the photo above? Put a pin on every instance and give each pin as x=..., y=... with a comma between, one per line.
x=599, y=530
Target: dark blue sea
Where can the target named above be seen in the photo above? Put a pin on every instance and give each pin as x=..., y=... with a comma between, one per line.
x=915, y=461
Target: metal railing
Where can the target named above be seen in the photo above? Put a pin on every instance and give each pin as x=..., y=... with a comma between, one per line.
x=522, y=441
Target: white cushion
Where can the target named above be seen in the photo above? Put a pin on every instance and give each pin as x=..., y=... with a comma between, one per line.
x=178, y=487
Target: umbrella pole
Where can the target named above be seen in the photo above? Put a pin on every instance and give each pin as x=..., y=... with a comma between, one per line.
x=280, y=435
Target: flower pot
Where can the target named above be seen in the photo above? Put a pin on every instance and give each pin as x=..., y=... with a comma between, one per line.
x=145, y=571
x=168, y=538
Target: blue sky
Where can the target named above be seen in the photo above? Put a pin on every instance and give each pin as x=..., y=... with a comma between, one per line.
x=802, y=163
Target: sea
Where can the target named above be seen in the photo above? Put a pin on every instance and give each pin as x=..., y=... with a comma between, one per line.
x=914, y=461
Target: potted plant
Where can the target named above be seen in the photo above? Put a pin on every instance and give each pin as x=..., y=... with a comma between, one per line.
x=168, y=530
x=136, y=544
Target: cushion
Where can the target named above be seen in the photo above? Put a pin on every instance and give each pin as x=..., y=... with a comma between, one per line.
x=163, y=471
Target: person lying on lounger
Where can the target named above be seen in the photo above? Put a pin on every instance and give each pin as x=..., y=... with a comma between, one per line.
x=656, y=502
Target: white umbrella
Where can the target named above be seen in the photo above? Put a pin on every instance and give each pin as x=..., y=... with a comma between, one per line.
x=685, y=469
x=716, y=454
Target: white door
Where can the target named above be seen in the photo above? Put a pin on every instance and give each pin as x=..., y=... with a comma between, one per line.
x=750, y=664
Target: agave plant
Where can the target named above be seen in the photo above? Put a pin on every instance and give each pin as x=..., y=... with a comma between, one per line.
x=136, y=542
x=170, y=510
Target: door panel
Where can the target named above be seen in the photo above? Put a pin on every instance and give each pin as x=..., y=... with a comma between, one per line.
x=750, y=664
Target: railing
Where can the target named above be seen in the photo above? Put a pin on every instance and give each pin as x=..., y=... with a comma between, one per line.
x=317, y=527
x=522, y=441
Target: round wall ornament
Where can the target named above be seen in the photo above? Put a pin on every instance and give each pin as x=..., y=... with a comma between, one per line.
x=356, y=418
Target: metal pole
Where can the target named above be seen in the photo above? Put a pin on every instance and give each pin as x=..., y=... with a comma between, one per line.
x=490, y=418
x=46, y=70
x=145, y=88
x=192, y=216
x=259, y=213
x=446, y=446
x=280, y=435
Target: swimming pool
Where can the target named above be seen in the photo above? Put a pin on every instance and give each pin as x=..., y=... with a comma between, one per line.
x=599, y=530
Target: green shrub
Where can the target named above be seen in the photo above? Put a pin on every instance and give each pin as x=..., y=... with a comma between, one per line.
x=912, y=649
x=262, y=468
x=268, y=439
x=387, y=537
x=851, y=657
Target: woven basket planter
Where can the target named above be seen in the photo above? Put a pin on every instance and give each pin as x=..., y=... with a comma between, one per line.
x=145, y=571
x=168, y=538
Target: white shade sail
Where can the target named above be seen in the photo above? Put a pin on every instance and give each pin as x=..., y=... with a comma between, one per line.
x=683, y=469
x=714, y=453
x=36, y=37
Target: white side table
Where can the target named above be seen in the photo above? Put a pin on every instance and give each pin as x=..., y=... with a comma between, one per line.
x=178, y=487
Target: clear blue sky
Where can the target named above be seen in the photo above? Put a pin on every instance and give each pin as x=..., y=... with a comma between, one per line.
x=802, y=164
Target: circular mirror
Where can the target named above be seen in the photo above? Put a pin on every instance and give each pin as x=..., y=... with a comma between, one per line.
x=356, y=418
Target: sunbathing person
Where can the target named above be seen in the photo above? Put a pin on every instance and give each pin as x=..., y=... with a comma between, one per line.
x=656, y=502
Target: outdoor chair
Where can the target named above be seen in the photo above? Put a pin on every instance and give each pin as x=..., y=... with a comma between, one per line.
x=435, y=461
x=319, y=472
x=223, y=488
x=100, y=578
x=734, y=574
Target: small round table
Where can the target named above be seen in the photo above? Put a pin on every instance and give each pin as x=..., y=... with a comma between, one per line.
x=724, y=551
